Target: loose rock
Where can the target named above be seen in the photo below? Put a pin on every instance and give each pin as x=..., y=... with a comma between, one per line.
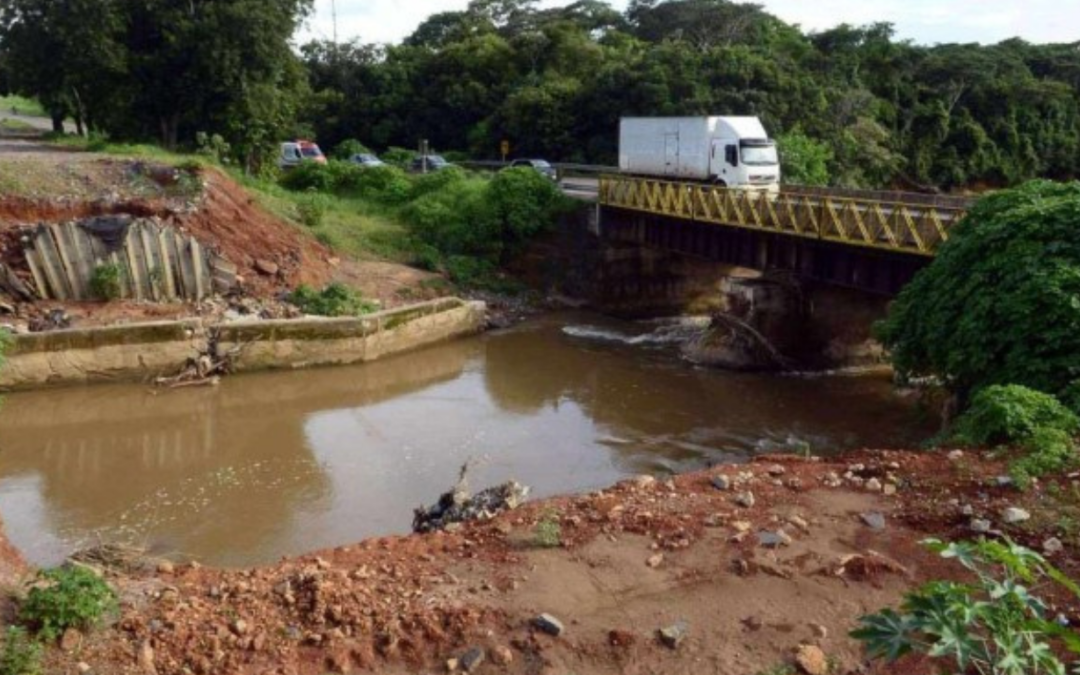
x=981, y=525
x=70, y=640
x=873, y=520
x=1053, y=545
x=549, y=624
x=811, y=660
x=745, y=499
x=472, y=659
x=266, y=267
x=775, y=539
x=873, y=485
x=673, y=635
x=721, y=482
x=655, y=561
x=644, y=481
x=1013, y=515
x=502, y=655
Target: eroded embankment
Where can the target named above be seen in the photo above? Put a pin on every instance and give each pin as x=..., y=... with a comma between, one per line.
x=145, y=352
x=789, y=554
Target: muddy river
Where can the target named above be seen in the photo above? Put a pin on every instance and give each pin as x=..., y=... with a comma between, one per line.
x=284, y=463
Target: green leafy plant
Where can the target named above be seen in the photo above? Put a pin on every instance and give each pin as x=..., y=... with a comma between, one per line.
x=213, y=146
x=106, y=282
x=67, y=597
x=1011, y=414
x=20, y=654
x=334, y=300
x=1037, y=425
x=311, y=209
x=1046, y=452
x=992, y=626
x=1000, y=304
x=548, y=533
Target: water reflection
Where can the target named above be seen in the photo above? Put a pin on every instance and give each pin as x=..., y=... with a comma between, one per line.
x=281, y=463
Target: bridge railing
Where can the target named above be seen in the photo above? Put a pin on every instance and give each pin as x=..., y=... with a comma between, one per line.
x=910, y=224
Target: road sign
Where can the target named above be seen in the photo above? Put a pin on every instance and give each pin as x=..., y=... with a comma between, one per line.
x=505, y=148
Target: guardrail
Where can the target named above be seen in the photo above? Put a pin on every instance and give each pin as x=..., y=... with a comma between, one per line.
x=562, y=169
x=911, y=224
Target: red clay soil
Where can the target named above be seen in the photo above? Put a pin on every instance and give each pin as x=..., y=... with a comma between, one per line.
x=230, y=222
x=634, y=558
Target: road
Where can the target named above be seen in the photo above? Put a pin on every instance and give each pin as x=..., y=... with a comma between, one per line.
x=585, y=189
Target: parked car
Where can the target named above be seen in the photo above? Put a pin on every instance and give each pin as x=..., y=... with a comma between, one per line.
x=434, y=163
x=541, y=166
x=366, y=160
x=293, y=153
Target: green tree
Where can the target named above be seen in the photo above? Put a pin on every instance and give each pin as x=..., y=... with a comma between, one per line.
x=804, y=161
x=1001, y=302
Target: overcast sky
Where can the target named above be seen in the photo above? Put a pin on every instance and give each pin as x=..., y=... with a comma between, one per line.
x=925, y=21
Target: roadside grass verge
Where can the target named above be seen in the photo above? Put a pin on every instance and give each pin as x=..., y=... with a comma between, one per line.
x=22, y=106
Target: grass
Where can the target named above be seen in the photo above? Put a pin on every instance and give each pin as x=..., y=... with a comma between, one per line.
x=9, y=124
x=24, y=106
x=351, y=226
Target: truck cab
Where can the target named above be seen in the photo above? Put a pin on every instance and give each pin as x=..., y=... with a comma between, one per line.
x=743, y=156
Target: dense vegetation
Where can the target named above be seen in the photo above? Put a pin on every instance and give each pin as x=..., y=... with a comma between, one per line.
x=466, y=225
x=851, y=105
x=1001, y=302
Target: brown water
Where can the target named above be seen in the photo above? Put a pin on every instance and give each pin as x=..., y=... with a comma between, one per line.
x=283, y=463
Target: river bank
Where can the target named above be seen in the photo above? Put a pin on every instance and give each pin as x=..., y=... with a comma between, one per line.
x=751, y=580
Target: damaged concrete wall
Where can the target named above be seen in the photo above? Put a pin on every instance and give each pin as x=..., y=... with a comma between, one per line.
x=143, y=352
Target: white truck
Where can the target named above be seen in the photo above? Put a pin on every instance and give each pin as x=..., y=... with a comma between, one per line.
x=733, y=152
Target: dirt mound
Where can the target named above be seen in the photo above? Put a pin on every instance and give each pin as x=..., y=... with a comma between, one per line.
x=272, y=256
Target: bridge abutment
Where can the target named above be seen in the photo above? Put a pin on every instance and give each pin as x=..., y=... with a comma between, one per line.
x=634, y=266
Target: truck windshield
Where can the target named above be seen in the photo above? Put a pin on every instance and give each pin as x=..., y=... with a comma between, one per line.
x=763, y=155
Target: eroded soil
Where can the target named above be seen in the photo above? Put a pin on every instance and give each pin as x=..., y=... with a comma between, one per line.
x=40, y=183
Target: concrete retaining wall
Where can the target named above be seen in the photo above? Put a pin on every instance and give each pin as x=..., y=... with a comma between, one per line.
x=142, y=352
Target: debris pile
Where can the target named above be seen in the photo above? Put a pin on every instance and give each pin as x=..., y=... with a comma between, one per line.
x=457, y=506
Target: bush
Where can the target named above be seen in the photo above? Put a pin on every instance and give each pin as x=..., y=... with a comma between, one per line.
x=400, y=157
x=106, y=282
x=310, y=176
x=1000, y=304
x=21, y=654
x=436, y=180
x=70, y=597
x=383, y=184
x=1011, y=414
x=525, y=203
x=455, y=220
x=470, y=272
x=212, y=146
x=1046, y=452
x=993, y=626
x=312, y=208
x=334, y=300
x=349, y=147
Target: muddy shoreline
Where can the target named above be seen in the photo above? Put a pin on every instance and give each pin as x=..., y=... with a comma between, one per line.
x=752, y=579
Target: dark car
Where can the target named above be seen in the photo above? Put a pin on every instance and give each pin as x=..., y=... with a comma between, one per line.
x=434, y=163
x=539, y=165
x=366, y=160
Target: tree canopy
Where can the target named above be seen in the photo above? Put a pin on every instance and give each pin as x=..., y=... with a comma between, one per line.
x=876, y=111
x=1001, y=302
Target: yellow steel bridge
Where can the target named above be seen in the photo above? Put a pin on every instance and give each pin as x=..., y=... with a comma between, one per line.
x=889, y=221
